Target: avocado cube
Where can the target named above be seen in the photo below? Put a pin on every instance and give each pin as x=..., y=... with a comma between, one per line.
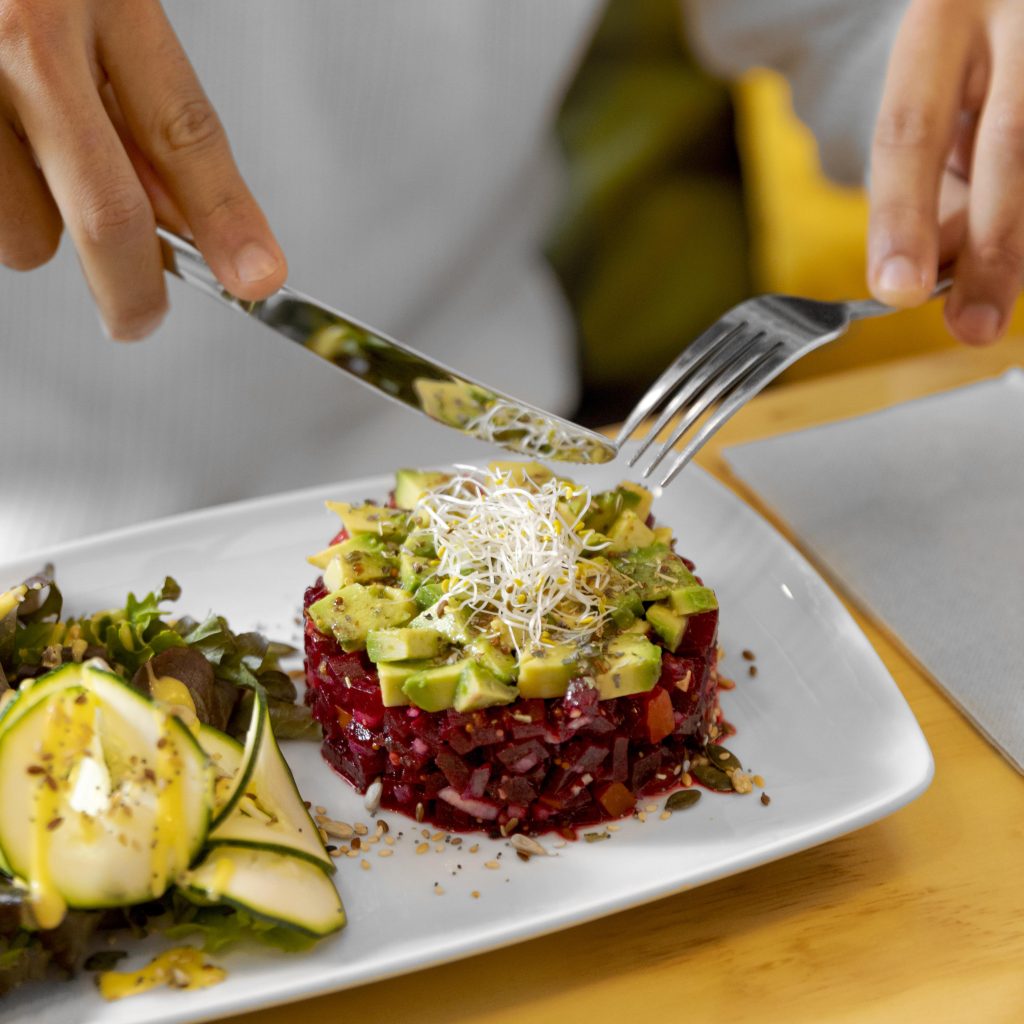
x=667, y=624
x=428, y=594
x=477, y=688
x=642, y=508
x=629, y=531
x=433, y=689
x=546, y=671
x=375, y=519
x=420, y=542
x=639, y=627
x=411, y=484
x=627, y=610
x=413, y=570
x=501, y=665
x=360, y=559
x=634, y=666
x=607, y=506
x=693, y=600
x=449, y=618
x=352, y=611
x=655, y=570
x=393, y=676
x=322, y=559
x=401, y=644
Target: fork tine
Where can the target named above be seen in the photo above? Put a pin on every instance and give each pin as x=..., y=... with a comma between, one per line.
x=700, y=376
x=733, y=370
x=758, y=375
x=666, y=383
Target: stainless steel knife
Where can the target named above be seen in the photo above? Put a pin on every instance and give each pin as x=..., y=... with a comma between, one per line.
x=397, y=371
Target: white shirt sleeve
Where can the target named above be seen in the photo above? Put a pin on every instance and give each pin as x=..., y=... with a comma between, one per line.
x=834, y=54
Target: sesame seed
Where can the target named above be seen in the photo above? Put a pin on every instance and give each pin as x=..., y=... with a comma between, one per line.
x=475, y=894
x=385, y=852
x=665, y=815
x=365, y=865
x=422, y=848
x=492, y=864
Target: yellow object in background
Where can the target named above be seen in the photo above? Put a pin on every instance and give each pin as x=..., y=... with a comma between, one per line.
x=808, y=235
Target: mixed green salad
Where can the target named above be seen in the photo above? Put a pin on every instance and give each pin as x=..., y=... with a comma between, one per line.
x=141, y=787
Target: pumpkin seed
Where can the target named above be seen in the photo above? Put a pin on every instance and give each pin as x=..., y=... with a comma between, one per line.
x=596, y=837
x=713, y=778
x=682, y=799
x=723, y=759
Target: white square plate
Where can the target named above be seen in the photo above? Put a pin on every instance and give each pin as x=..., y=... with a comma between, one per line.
x=823, y=722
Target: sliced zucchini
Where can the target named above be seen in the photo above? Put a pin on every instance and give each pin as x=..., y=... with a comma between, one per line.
x=230, y=793
x=277, y=887
x=266, y=811
x=227, y=755
x=34, y=690
x=104, y=797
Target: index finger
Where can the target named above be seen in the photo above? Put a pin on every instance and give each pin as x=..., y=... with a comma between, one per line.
x=179, y=132
x=913, y=136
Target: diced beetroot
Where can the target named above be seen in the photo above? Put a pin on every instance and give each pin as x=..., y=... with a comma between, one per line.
x=620, y=760
x=581, y=698
x=701, y=633
x=615, y=798
x=585, y=755
x=522, y=757
x=515, y=789
x=644, y=770
x=456, y=771
x=551, y=765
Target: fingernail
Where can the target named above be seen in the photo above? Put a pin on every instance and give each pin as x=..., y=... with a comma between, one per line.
x=253, y=264
x=899, y=277
x=980, y=321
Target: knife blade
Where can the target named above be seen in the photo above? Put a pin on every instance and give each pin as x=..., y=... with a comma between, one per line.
x=397, y=371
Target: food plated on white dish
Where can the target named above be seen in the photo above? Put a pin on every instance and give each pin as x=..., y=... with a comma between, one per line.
x=820, y=697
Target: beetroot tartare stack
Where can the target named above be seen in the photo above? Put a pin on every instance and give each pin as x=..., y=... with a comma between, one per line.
x=505, y=651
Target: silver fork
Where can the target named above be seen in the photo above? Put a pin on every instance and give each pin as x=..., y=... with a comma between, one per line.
x=731, y=362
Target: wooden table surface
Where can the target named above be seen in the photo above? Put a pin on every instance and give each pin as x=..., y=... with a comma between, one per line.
x=919, y=917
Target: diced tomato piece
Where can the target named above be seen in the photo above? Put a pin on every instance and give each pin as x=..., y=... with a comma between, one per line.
x=616, y=799
x=660, y=720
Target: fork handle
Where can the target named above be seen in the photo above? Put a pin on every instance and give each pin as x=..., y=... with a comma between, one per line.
x=861, y=309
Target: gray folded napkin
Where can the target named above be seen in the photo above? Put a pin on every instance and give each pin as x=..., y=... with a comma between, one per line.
x=918, y=511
